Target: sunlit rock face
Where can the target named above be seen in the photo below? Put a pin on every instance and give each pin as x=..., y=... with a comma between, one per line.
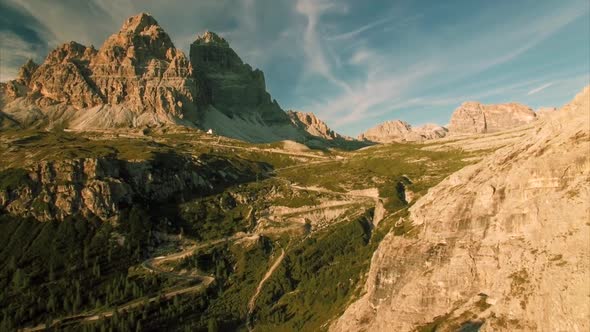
x=314, y=126
x=474, y=118
x=501, y=245
x=401, y=131
x=138, y=78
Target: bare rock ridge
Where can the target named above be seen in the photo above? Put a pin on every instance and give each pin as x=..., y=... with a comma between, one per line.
x=401, y=131
x=314, y=126
x=476, y=118
x=139, y=78
x=469, y=118
x=53, y=190
x=502, y=245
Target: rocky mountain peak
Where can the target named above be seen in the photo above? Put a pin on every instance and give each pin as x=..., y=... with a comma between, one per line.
x=26, y=71
x=140, y=39
x=312, y=124
x=139, y=78
x=401, y=131
x=388, y=131
x=70, y=52
x=211, y=38
x=139, y=23
x=474, y=117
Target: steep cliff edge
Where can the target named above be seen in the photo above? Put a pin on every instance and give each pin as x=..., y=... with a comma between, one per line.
x=314, y=126
x=236, y=101
x=502, y=245
x=103, y=186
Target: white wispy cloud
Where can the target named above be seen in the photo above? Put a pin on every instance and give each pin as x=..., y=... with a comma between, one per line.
x=539, y=89
x=88, y=22
x=389, y=86
x=13, y=51
x=354, y=33
x=316, y=56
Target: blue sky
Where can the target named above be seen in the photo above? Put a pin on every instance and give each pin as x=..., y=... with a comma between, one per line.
x=353, y=63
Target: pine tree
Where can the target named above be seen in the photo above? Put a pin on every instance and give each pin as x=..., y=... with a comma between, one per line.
x=51, y=273
x=18, y=278
x=212, y=325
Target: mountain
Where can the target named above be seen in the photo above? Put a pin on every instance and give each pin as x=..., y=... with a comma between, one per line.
x=401, y=131
x=236, y=101
x=474, y=118
x=138, y=78
x=501, y=245
x=314, y=126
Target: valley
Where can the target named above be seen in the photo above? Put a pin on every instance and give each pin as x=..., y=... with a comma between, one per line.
x=149, y=186
x=248, y=247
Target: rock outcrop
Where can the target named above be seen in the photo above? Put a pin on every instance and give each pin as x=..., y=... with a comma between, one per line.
x=476, y=118
x=544, y=111
x=430, y=131
x=502, y=245
x=401, y=131
x=314, y=126
x=237, y=103
x=138, y=78
x=101, y=187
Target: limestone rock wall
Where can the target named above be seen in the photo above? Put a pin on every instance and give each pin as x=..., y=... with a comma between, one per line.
x=502, y=245
x=401, y=131
x=102, y=186
x=476, y=118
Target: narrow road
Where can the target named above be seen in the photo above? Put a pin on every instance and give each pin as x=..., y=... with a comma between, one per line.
x=271, y=150
x=267, y=275
x=206, y=281
x=152, y=265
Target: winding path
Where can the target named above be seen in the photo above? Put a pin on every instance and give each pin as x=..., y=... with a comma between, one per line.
x=152, y=265
x=267, y=275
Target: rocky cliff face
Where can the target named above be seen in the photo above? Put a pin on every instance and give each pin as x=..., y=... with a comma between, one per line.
x=238, y=104
x=101, y=187
x=401, y=131
x=314, y=126
x=476, y=118
x=498, y=246
x=138, y=78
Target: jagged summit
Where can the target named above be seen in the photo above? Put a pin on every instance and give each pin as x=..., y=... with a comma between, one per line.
x=26, y=71
x=70, y=52
x=139, y=23
x=140, y=37
x=315, y=126
x=211, y=38
x=138, y=78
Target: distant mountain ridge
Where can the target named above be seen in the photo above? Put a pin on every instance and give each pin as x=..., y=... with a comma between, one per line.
x=314, y=126
x=138, y=78
x=474, y=117
x=469, y=118
x=401, y=131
